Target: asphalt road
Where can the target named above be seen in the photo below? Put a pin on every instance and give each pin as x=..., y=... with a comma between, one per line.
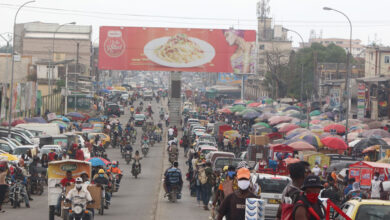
x=140, y=199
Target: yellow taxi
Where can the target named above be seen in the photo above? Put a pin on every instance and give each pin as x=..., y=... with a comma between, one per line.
x=103, y=137
x=366, y=209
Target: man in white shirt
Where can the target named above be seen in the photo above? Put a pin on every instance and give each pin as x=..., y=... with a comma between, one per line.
x=78, y=195
x=170, y=132
x=375, y=187
x=316, y=170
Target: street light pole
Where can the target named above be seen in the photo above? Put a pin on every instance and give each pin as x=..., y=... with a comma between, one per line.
x=52, y=58
x=7, y=48
x=301, y=92
x=12, y=68
x=347, y=77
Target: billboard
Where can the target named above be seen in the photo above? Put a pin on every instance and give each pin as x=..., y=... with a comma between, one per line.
x=177, y=49
x=229, y=79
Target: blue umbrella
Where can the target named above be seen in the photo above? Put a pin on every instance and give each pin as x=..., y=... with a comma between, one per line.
x=75, y=115
x=35, y=120
x=292, y=108
x=96, y=161
x=63, y=118
x=104, y=91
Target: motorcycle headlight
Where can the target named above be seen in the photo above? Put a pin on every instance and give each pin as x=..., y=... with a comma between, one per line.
x=78, y=209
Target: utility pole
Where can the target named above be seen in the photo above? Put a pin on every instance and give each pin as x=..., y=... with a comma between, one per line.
x=77, y=63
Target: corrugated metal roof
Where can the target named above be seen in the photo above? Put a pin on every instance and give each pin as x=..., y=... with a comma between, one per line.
x=52, y=27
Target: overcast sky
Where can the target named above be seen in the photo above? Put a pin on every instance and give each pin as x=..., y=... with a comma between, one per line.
x=370, y=19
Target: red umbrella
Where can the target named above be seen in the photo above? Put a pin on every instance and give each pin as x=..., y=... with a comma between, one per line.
x=334, y=143
x=4, y=123
x=86, y=116
x=225, y=111
x=288, y=127
x=315, y=122
x=109, y=88
x=254, y=104
x=302, y=146
x=18, y=121
x=340, y=129
x=291, y=160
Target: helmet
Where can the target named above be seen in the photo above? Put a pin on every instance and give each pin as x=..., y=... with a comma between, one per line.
x=79, y=179
x=101, y=171
x=225, y=168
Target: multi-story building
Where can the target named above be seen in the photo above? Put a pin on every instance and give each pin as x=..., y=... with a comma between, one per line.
x=35, y=39
x=357, y=48
x=377, y=61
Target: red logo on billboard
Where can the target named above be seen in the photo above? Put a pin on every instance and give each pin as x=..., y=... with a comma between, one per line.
x=114, y=46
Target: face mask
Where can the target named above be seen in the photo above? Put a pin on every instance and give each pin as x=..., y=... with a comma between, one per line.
x=79, y=185
x=375, y=178
x=243, y=184
x=101, y=175
x=312, y=197
x=231, y=174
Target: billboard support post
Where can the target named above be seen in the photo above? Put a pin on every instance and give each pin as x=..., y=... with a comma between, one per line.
x=174, y=98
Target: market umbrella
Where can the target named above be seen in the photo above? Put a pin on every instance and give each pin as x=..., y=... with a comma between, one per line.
x=62, y=124
x=340, y=129
x=35, y=120
x=250, y=115
x=248, y=110
x=274, y=120
x=326, y=122
x=351, y=122
x=265, y=116
x=263, y=124
x=367, y=142
x=18, y=121
x=375, y=124
x=63, y=118
x=334, y=143
x=353, y=136
x=354, y=142
x=254, y=104
x=9, y=157
x=297, y=131
x=98, y=161
x=109, y=88
x=75, y=115
x=315, y=113
x=224, y=111
x=377, y=133
x=327, y=115
x=315, y=122
x=302, y=146
x=372, y=148
x=268, y=101
x=263, y=130
x=292, y=107
x=237, y=108
x=312, y=139
x=104, y=91
x=288, y=127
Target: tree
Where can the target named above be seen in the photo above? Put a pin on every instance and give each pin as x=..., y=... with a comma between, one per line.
x=286, y=78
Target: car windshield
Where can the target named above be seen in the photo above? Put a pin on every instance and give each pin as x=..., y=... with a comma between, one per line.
x=273, y=185
x=373, y=212
x=20, y=150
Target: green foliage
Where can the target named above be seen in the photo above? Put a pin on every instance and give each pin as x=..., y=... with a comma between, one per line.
x=288, y=77
x=59, y=84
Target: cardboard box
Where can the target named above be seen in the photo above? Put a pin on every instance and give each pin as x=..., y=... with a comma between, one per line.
x=261, y=140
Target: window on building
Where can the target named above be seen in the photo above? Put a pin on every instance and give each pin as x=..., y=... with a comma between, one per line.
x=339, y=42
x=261, y=47
x=387, y=59
x=327, y=42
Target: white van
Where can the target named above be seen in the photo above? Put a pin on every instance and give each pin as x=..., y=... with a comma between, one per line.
x=45, y=128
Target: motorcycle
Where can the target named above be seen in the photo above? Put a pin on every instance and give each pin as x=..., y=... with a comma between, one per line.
x=16, y=196
x=145, y=149
x=136, y=169
x=37, y=184
x=128, y=157
x=174, y=193
x=115, y=181
x=78, y=210
x=152, y=141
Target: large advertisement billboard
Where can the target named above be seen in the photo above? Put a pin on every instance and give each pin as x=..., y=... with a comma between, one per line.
x=177, y=49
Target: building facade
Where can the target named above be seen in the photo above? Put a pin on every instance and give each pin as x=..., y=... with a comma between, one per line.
x=35, y=39
x=377, y=62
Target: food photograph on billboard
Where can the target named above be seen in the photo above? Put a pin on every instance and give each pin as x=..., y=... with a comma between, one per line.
x=177, y=49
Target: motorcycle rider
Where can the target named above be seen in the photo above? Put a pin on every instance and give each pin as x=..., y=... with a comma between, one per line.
x=102, y=179
x=166, y=118
x=78, y=191
x=115, y=170
x=137, y=158
x=172, y=176
x=161, y=113
x=18, y=176
x=170, y=133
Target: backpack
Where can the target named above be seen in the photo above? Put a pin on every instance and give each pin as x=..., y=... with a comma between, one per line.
x=311, y=214
x=173, y=176
x=202, y=176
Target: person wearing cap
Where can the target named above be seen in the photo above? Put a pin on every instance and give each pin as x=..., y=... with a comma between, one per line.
x=78, y=192
x=233, y=206
x=309, y=206
x=101, y=179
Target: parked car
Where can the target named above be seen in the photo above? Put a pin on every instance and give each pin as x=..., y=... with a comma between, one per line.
x=366, y=209
x=113, y=109
x=272, y=187
x=7, y=147
x=46, y=149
